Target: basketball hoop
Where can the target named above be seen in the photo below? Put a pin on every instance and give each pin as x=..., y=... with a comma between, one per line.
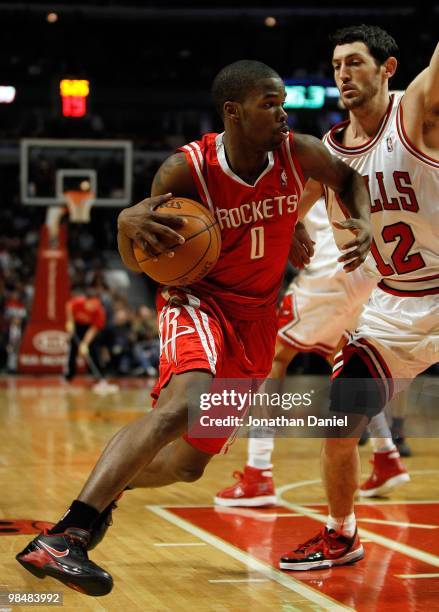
x=79, y=204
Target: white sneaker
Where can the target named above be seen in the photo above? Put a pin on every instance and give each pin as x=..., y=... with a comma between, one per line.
x=105, y=388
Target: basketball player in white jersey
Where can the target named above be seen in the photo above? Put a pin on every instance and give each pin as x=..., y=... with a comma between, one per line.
x=320, y=306
x=393, y=141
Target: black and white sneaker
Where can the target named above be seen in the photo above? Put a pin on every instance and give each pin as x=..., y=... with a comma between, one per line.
x=64, y=556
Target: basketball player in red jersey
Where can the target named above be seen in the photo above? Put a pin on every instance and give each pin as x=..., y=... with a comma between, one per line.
x=393, y=140
x=251, y=178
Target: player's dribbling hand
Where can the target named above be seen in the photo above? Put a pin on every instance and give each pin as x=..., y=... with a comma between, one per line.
x=302, y=247
x=357, y=249
x=152, y=232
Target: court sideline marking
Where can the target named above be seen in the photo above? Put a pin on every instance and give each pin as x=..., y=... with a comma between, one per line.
x=326, y=603
x=410, y=576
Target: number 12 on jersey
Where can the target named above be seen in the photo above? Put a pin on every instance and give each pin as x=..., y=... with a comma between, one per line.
x=257, y=242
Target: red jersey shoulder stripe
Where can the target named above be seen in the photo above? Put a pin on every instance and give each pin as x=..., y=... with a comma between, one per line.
x=194, y=156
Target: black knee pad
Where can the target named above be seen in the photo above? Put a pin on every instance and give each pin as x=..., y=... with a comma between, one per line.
x=355, y=391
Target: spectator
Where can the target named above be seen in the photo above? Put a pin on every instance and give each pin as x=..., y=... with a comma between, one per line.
x=85, y=317
x=146, y=345
x=14, y=317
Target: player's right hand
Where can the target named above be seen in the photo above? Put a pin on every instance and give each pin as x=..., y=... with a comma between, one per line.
x=302, y=247
x=355, y=251
x=153, y=232
x=70, y=327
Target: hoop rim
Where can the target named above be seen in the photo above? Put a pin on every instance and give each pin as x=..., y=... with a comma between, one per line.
x=79, y=195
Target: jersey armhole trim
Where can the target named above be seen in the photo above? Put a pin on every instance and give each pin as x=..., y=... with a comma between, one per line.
x=411, y=148
x=194, y=152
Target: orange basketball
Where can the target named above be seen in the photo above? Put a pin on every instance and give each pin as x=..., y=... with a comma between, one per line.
x=193, y=259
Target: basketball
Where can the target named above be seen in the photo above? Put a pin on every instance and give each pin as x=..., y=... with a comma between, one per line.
x=193, y=259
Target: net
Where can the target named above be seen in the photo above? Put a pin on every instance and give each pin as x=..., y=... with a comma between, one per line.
x=79, y=204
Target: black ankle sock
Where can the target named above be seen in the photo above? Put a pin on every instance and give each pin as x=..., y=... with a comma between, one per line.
x=78, y=515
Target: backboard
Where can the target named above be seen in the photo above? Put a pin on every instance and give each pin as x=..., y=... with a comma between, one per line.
x=50, y=167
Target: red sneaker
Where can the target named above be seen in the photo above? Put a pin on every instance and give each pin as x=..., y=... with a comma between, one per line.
x=326, y=549
x=388, y=472
x=254, y=488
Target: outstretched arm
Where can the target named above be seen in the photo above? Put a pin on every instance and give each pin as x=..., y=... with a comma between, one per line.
x=431, y=88
x=317, y=163
x=420, y=106
x=311, y=193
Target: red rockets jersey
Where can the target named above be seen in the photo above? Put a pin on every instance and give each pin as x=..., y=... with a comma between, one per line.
x=256, y=221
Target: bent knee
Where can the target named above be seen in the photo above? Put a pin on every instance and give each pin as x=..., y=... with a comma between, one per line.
x=189, y=473
x=354, y=391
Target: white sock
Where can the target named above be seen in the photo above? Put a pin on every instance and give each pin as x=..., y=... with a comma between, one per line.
x=259, y=453
x=380, y=435
x=344, y=525
x=379, y=426
x=382, y=445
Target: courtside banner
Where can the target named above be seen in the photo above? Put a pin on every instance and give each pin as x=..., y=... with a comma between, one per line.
x=310, y=407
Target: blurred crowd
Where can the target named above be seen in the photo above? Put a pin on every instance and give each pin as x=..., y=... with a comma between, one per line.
x=128, y=344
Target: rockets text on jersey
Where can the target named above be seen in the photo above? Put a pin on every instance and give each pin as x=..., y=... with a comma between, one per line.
x=256, y=220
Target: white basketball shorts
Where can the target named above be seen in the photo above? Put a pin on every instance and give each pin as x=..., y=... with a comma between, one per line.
x=316, y=311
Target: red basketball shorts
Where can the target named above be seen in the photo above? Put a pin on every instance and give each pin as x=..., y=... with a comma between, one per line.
x=196, y=335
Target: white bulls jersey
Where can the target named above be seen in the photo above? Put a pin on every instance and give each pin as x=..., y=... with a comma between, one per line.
x=404, y=188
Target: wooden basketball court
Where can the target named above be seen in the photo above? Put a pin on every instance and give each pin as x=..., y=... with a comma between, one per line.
x=171, y=549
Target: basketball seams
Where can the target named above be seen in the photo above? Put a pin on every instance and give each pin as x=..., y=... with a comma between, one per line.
x=195, y=265
x=206, y=250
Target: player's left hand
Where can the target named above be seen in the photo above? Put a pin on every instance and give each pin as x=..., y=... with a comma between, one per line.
x=302, y=247
x=357, y=249
x=83, y=349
